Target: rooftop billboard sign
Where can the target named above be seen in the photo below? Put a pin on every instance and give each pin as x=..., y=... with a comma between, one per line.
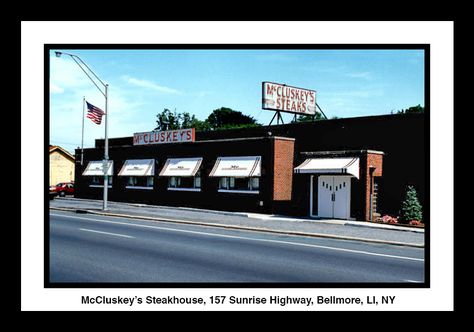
x=285, y=98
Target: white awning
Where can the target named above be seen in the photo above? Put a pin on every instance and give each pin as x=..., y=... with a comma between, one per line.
x=94, y=168
x=181, y=167
x=330, y=166
x=237, y=167
x=138, y=167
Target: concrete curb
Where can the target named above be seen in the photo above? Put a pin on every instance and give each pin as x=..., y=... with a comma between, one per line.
x=266, y=217
x=257, y=229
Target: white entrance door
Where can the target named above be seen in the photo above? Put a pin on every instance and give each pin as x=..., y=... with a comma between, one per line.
x=334, y=197
x=325, y=191
x=342, y=197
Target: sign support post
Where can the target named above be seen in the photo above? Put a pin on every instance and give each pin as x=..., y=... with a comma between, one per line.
x=279, y=118
x=321, y=111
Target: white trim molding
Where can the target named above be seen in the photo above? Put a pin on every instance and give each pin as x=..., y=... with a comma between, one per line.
x=239, y=191
x=184, y=189
x=139, y=187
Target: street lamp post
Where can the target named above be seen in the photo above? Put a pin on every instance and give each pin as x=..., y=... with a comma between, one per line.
x=81, y=65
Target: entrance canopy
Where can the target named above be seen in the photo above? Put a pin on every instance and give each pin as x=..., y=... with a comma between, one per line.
x=237, y=167
x=330, y=166
x=94, y=168
x=181, y=167
x=138, y=167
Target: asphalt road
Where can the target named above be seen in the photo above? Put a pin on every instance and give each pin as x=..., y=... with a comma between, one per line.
x=91, y=248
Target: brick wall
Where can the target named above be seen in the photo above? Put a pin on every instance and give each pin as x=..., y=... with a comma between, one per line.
x=283, y=154
x=370, y=167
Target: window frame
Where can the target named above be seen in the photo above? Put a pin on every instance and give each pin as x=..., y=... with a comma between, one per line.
x=143, y=187
x=99, y=183
x=177, y=180
x=228, y=188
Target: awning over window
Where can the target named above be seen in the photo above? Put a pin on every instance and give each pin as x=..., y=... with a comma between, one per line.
x=94, y=168
x=330, y=166
x=138, y=167
x=181, y=167
x=237, y=167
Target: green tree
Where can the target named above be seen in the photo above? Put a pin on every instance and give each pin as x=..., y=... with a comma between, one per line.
x=168, y=120
x=222, y=118
x=308, y=118
x=414, y=109
x=411, y=207
x=226, y=118
x=190, y=121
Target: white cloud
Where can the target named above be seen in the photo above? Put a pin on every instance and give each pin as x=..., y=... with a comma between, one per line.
x=150, y=85
x=66, y=114
x=66, y=74
x=55, y=89
x=364, y=75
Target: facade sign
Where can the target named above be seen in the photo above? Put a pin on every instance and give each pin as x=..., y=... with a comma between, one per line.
x=163, y=137
x=285, y=98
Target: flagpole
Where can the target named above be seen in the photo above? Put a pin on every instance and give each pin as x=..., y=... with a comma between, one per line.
x=82, y=139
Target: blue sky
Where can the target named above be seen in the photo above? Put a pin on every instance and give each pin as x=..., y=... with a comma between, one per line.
x=349, y=83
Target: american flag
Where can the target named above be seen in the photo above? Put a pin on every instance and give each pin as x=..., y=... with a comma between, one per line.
x=94, y=113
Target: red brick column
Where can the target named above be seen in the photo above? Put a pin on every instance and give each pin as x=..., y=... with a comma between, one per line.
x=370, y=166
x=284, y=149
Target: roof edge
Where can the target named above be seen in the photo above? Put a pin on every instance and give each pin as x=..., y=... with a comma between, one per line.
x=339, y=153
x=57, y=147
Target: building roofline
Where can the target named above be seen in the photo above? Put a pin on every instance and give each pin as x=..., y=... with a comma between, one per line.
x=339, y=153
x=236, y=139
x=53, y=148
x=269, y=127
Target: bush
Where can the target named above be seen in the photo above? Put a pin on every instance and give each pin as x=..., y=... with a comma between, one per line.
x=411, y=207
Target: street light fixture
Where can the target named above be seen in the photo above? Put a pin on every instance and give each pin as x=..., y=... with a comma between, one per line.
x=81, y=65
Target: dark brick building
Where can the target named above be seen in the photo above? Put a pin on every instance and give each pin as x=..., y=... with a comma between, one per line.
x=342, y=168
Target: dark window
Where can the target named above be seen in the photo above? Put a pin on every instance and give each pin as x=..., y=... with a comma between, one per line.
x=239, y=183
x=231, y=183
x=99, y=180
x=189, y=182
x=140, y=181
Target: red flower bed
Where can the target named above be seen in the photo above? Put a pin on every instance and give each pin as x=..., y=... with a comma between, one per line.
x=389, y=219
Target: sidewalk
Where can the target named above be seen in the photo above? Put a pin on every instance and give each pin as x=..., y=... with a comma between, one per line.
x=339, y=229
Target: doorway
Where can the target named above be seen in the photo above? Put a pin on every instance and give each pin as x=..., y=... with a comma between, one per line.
x=331, y=195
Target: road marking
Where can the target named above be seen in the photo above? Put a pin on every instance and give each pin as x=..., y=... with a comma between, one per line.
x=107, y=233
x=415, y=281
x=246, y=238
